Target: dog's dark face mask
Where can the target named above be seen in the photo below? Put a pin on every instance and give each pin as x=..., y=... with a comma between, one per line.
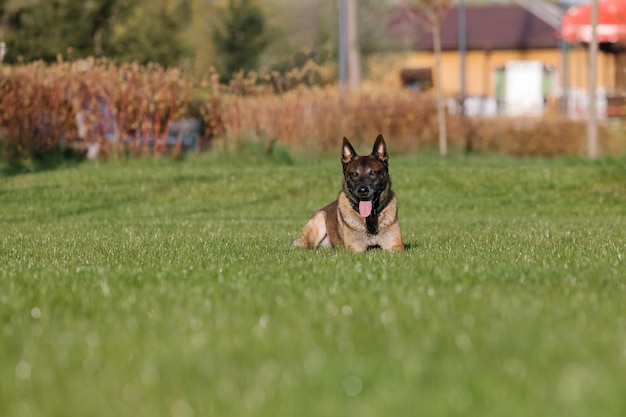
x=366, y=178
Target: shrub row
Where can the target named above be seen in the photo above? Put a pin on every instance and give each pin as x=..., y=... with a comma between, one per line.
x=316, y=119
x=130, y=108
x=76, y=105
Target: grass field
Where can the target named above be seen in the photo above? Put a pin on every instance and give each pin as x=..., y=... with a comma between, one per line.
x=158, y=288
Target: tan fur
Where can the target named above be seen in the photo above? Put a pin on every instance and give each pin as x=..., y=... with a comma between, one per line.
x=339, y=225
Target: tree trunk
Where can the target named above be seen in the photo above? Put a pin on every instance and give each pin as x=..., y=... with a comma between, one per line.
x=620, y=72
x=441, y=110
x=592, y=123
x=202, y=20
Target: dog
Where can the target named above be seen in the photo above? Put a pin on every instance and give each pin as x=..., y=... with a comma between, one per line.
x=365, y=214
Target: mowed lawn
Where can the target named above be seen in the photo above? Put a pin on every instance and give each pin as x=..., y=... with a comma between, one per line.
x=158, y=288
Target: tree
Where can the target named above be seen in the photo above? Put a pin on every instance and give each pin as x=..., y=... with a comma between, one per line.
x=151, y=31
x=239, y=37
x=433, y=11
x=592, y=123
x=202, y=23
x=126, y=30
x=41, y=29
x=299, y=32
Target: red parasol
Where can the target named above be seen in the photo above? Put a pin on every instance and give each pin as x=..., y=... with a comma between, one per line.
x=576, y=23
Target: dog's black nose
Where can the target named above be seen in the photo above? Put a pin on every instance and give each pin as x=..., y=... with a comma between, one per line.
x=363, y=190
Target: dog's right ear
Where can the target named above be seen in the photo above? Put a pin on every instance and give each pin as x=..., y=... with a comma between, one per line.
x=348, y=154
x=380, y=150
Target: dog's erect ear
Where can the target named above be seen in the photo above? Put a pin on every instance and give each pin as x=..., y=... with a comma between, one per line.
x=380, y=149
x=348, y=154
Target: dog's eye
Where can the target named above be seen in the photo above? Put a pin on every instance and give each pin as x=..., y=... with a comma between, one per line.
x=373, y=173
x=354, y=174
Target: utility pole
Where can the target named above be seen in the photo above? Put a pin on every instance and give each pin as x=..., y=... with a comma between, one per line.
x=441, y=109
x=343, y=46
x=592, y=122
x=3, y=51
x=462, y=24
x=349, y=54
x=354, y=62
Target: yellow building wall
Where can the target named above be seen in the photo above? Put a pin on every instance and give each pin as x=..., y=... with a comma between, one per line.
x=481, y=65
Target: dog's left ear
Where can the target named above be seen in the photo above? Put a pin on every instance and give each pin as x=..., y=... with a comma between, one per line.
x=380, y=149
x=347, y=152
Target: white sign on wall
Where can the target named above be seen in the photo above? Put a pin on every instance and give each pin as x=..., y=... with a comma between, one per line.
x=523, y=95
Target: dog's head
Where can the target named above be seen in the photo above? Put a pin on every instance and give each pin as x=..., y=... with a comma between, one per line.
x=366, y=178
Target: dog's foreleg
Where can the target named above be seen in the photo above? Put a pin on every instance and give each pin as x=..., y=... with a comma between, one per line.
x=397, y=246
x=392, y=240
x=314, y=232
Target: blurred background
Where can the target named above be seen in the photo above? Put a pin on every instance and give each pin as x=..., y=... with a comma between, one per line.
x=394, y=43
x=515, y=58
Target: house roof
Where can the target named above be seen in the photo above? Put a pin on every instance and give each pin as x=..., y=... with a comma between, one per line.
x=493, y=27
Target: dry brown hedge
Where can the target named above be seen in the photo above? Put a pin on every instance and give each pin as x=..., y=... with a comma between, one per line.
x=39, y=104
x=316, y=119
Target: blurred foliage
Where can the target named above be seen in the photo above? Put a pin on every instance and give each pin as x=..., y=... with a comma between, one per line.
x=45, y=29
x=152, y=31
x=125, y=109
x=239, y=36
x=128, y=110
x=182, y=32
x=197, y=35
x=127, y=30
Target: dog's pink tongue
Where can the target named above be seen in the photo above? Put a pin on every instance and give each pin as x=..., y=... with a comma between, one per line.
x=365, y=208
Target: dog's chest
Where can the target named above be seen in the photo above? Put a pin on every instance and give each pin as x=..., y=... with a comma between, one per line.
x=370, y=228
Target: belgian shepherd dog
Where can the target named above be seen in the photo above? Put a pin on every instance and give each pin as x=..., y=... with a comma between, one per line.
x=365, y=214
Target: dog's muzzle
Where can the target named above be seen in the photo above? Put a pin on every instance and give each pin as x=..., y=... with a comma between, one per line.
x=363, y=192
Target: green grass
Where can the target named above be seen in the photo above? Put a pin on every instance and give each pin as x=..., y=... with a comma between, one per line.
x=155, y=288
